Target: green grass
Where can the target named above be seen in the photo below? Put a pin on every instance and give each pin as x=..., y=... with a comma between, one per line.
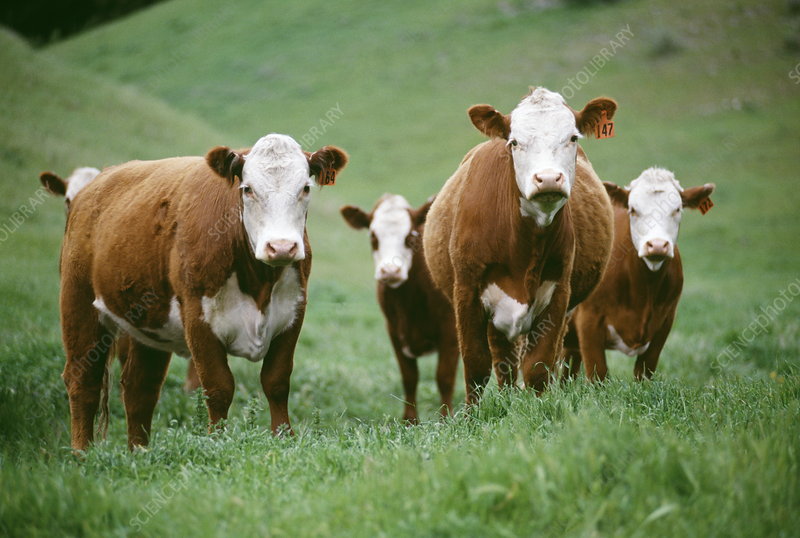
x=708, y=449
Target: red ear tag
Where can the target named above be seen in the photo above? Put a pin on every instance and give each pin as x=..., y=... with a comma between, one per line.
x=604, y=129
x=327, y=176
x=705, y=206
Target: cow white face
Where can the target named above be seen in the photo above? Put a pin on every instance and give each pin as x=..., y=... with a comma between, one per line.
x=275, y=180
x=542, y=133
x=655, y=202
x=394, y=234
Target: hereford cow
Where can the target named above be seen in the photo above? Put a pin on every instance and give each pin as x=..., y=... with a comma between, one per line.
x=419, y=318
x=68, y=188
x=633, y=307
x=520, y=234
x=189, y=256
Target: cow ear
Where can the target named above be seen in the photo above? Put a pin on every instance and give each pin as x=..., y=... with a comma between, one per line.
x=419, y=215
x=325, y=163
x=226, y=162
x=587, y=119
x=490, y=121
x=618, y=195
x=355, y=217
x=693, y=197
x=53, y=183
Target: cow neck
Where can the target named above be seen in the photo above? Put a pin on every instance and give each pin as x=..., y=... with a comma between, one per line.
x=255, y=277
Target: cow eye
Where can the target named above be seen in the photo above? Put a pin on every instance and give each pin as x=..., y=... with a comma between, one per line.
x=574, y=138
x=632, y=212
x=412, y=240
x=513, y=143
x=306, y=189
x=246, y=189
x=373, y=239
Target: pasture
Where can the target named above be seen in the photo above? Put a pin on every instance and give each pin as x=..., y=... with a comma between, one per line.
x=708, y=448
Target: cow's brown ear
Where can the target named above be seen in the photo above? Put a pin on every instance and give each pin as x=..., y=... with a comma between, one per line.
x=617, y=194
x=53, y=183
x=488, y=120
x=226, y=162
x=419, y=215
x=355, y=217
x=587, y=119
x=694, y=197
x=325, y=163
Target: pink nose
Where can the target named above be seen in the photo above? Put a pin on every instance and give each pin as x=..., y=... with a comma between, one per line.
x=656, y=248
x=389, y=272
x=281, y=251
x=549, y=180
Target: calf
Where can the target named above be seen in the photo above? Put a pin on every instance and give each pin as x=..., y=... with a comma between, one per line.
x=518, y=235
x=633, y=307
x=193, y=256
x=419, y=318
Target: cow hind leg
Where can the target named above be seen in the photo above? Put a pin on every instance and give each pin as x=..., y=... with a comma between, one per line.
x=87, y=345
x=142, y=378
x=446, y=374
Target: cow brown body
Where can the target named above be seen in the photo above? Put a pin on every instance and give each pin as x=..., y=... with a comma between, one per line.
x=158, y=242
x=476, y=235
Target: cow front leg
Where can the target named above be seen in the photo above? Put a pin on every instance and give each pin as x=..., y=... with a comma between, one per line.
x=471, y=326
x=142, y=377
x=646, y=363
x=592, y=332
x=211, y=361
x=276, y=373
x=544, y=345
x=446, y=370
x=505, y=358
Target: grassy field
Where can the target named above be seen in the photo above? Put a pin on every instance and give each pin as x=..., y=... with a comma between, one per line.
x=709, y=448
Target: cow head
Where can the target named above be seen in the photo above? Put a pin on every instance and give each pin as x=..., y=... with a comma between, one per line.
x=68, y=188
x=655, y=202
x=394, y=232
x=275, y=179
x=542, y=134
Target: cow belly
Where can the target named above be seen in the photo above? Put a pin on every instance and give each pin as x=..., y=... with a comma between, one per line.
x=241, y=326
x=169, y=337
x=616, y=342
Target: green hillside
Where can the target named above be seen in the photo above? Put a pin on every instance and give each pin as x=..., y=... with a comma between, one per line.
x=707, y=449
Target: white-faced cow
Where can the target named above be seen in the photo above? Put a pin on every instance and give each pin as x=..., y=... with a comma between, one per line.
x=633, y=307
x=68, y=188
x=419, y=318
x=520, y=234
x=189, y=255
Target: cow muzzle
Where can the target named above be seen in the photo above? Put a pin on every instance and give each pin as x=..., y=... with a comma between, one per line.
x=282, y=252
x=657, y=250
x=391, y=275
x=549, y=187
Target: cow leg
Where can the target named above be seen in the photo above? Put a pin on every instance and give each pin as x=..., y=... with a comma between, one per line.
x=86, y=344
x=409, y=372
x=646, y=362
x=142, y=377
x=545, y=342
x=471, y=325
x=504, y=357
x=192, y=382
x=592, y=341
x=572, y=353
x=276, y=372
x=446, y=371
x=211, y=361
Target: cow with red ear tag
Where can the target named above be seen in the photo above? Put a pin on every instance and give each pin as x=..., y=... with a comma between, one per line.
x=633, y=307
x=519, y=235
x=195, y=256
x=419, y=318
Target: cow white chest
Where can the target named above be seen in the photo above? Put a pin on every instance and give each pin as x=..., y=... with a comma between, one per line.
x=241, y=326
x=244, y=330
x=615, y=342
x=511, y=317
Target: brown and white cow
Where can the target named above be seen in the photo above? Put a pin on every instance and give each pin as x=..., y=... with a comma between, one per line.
x=520, y=234
x=71, y=186
x=189, y=255
x=633, y=307
x=419, y=318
